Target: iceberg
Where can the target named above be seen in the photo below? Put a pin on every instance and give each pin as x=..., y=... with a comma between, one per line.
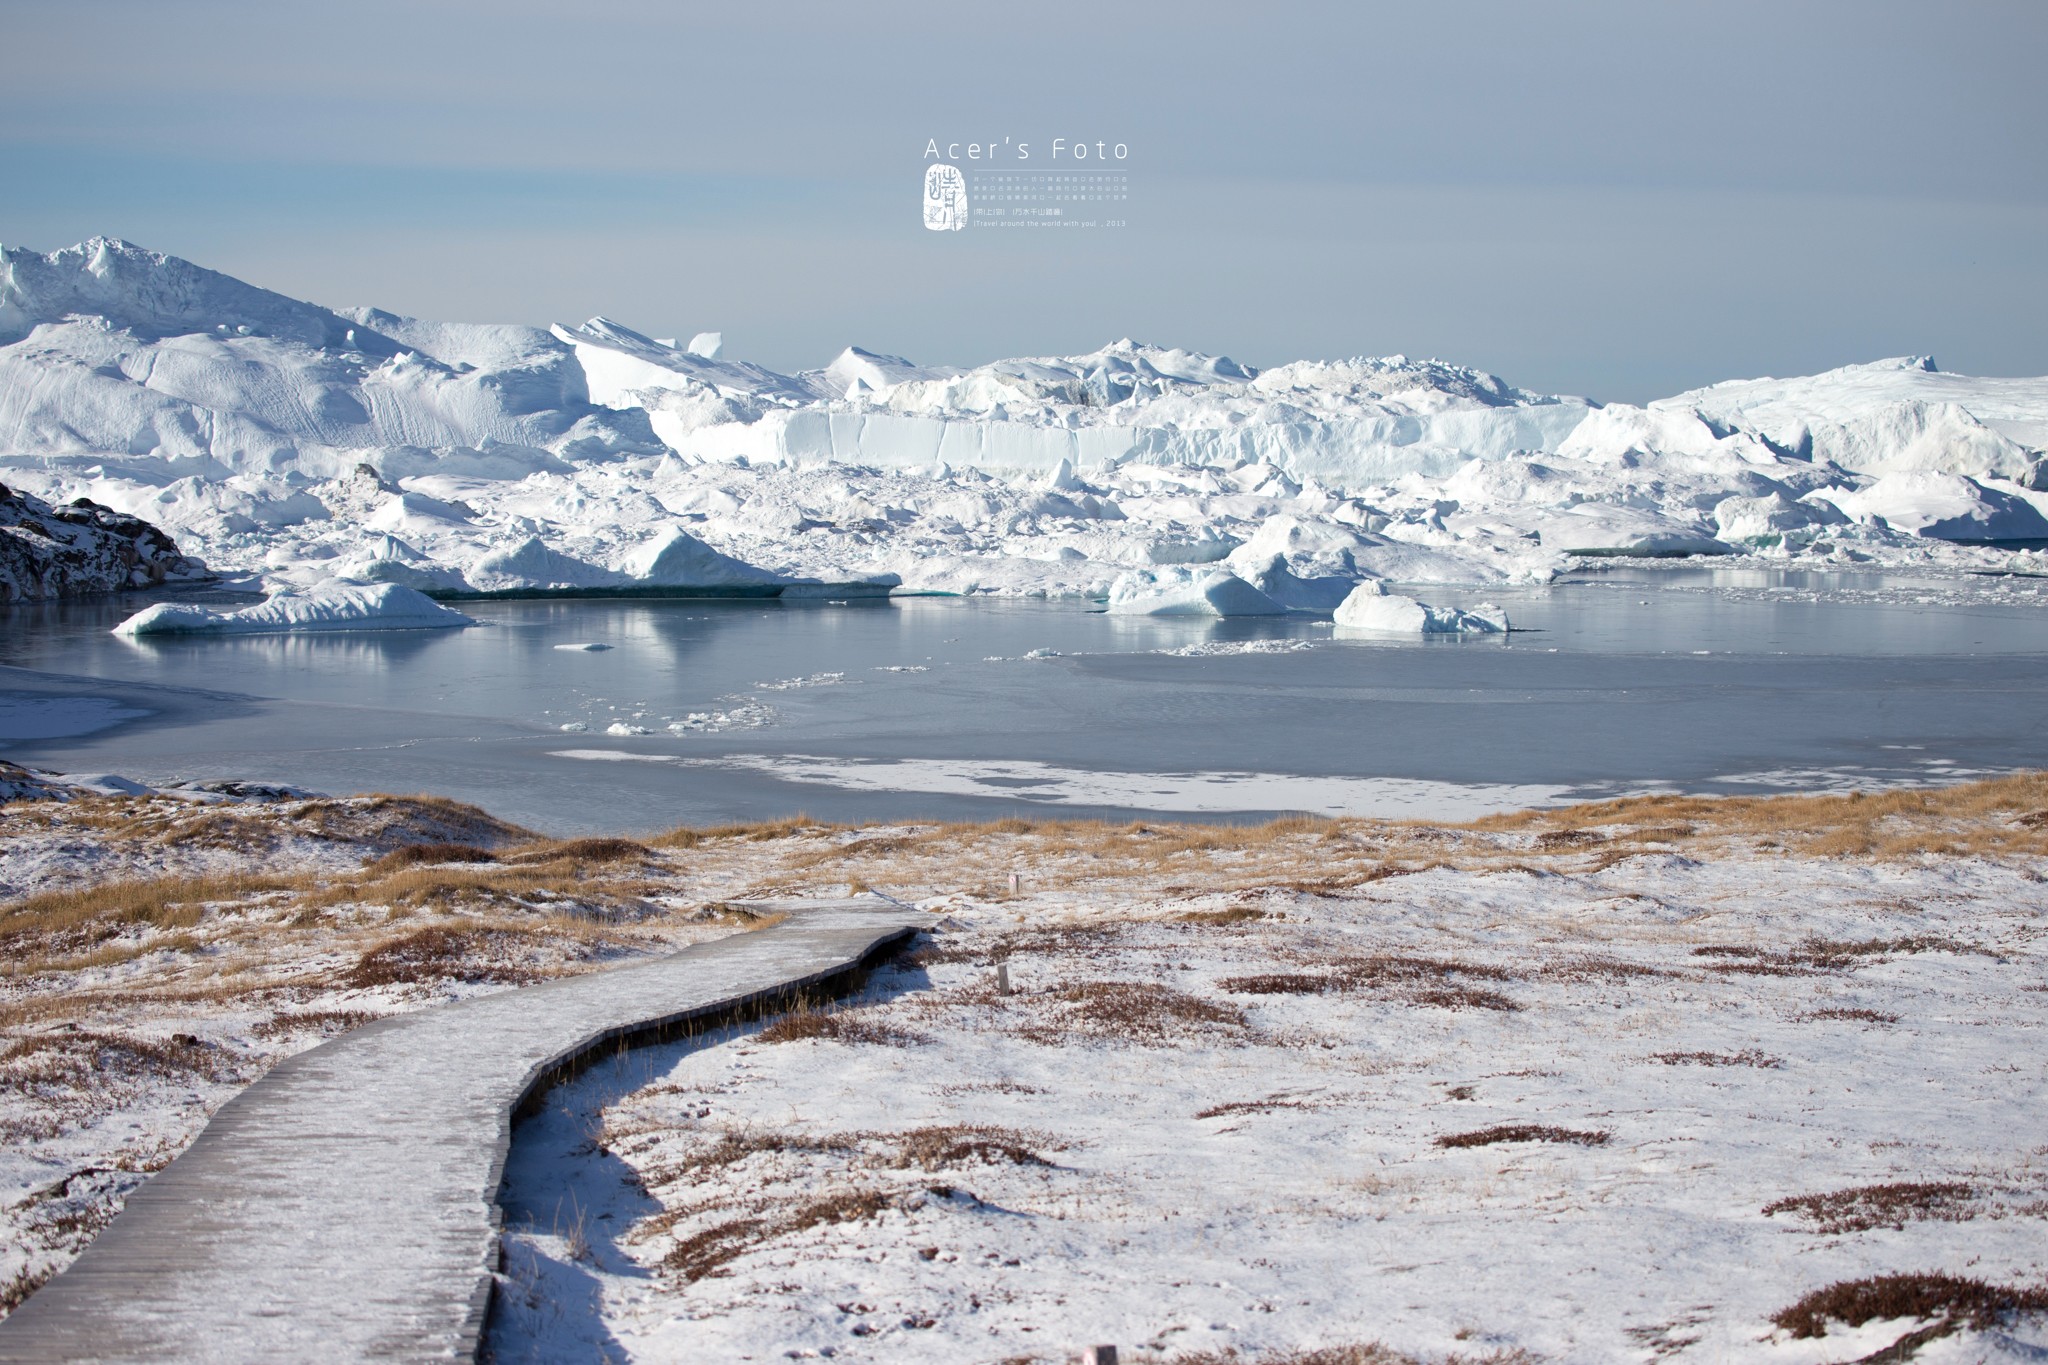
x=335, y=606
x=302, y=443
x=676, y=559
x=1179, y=591
x=1371, y=608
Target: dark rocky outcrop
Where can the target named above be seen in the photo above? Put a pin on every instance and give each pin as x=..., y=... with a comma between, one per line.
x=82, y=548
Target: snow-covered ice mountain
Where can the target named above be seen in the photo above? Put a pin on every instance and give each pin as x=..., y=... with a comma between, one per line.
x=305, y=444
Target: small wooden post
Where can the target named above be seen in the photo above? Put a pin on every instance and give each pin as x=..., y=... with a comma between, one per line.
x=1099, y=1355
x=1013, y=883
x=1002, y=978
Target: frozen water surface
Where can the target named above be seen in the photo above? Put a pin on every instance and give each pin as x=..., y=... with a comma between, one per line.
x=1643, y=678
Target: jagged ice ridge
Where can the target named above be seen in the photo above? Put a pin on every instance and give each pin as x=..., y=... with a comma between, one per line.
x=305, y=445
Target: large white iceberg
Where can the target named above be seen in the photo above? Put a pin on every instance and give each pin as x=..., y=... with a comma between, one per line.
x=1175, y=590
x=1371, y=608
x=335, y=606
x=302, y=443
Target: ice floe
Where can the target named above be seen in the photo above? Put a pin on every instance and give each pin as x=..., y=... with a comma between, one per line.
x=1371, y=608
x=335, y=606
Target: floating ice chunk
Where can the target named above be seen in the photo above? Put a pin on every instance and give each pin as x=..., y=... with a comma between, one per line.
x=331, y=606
x=1370, y=607
x=574, y=727
x=707, y=344
x=1176, y=591
x=587, y=646
x=814, y=680
x=1306, y=567
x=619, y=727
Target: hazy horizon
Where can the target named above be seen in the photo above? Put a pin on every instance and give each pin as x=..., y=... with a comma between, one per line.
x=1597, y=198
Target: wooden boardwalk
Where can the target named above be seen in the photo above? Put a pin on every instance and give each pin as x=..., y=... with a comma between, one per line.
x=345, y=1207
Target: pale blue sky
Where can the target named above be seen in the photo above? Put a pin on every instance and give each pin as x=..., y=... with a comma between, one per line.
x=1620, y=198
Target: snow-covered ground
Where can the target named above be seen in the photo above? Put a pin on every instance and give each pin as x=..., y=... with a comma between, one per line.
x=298, y=444
x=1616, y=1082
x=164, y=948
x=1595, y=1088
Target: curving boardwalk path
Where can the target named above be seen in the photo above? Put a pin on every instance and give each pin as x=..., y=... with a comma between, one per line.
x=345, y=1206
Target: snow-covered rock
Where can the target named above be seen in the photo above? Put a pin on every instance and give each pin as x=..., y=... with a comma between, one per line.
x=82, y=548
x=335, y=606
x=1371, y=608
x=1180, y=591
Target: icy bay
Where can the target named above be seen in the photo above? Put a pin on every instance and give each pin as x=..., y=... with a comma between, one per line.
x=1655, y=678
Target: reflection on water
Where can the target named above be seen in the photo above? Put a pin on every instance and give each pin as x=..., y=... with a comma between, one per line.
x=1630, y=678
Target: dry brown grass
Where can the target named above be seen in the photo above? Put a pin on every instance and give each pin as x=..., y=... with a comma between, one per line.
x=1266, y=1106
x=1746, y=1057
x=837, y=1026
x=325, y=1022
x=1880, y=1206
x=1398, y=977
x=708, y=1252
x=383, y=822
x=1524, y=1132
x=584, y=852
x=1848, y=1014
x=162, y=902
x=426, y=855
x=957, y=1144
x=1368, y=1353
x=1349, y=856
x=761, y=832
x=1975, y=818
x=735, y=1145
x=1141, y=1012
x=1954, y=1301
x=1236, y=914
x=444, y=953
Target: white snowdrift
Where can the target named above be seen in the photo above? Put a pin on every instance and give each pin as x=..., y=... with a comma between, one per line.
x=335, y=606
x=1371, y=608
x=1179, y=591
